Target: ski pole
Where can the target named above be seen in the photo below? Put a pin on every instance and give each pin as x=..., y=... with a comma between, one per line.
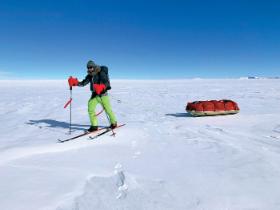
x=70, y=123
x=69, y=102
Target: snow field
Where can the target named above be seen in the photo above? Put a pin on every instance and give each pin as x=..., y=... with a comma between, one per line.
x=162, y=158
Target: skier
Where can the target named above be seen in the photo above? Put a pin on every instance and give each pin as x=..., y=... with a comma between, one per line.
x=99, y=84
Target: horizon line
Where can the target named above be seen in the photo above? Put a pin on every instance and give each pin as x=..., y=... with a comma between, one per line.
x=147, y=79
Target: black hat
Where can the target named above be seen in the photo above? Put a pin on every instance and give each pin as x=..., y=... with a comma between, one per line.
x=90, y=63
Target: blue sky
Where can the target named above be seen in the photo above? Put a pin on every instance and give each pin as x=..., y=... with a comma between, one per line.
x=140, y=39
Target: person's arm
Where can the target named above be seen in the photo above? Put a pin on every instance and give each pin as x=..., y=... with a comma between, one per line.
x=84, y=82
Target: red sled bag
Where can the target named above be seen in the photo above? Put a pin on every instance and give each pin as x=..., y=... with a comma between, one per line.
x=212, y=107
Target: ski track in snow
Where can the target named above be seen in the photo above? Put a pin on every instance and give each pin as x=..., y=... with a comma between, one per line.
x=162, y=159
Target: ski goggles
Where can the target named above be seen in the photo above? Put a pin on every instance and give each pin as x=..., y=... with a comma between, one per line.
x=90, y=67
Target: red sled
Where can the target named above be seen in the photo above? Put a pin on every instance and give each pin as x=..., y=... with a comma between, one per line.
x=212, y=107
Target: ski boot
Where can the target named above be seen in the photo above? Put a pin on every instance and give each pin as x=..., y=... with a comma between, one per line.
x=92, y=128
x=113, y=125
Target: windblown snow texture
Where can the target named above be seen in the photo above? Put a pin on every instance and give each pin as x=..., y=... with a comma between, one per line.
x=162, y=159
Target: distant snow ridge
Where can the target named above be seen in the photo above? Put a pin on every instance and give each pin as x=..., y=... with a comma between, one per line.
x=122, y=191
x=254, y=77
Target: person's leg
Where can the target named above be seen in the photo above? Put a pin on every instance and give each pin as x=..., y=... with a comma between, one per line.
x=108, y=109
x=91, y=111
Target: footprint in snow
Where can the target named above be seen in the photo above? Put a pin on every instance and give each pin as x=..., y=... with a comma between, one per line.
x=134, y=144
x=216, y=129
x=276, y=129
x=274, y=137
x=136, y=154
x=120, y=182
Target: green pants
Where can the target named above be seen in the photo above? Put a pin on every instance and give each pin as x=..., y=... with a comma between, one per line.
x=105, y=102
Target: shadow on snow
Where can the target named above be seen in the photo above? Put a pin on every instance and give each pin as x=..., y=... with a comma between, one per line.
x=179, y=115
x=56, y=124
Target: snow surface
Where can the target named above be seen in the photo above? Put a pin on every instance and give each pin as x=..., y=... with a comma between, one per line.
x=162, y=159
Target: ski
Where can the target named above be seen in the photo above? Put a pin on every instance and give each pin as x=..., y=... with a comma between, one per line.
x=80, y=135
x=106, y=131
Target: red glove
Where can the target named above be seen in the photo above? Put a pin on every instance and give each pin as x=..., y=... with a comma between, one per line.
x=99, y=88
x=73, y=81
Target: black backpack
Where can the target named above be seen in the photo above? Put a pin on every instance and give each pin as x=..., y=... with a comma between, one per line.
x=105, y=69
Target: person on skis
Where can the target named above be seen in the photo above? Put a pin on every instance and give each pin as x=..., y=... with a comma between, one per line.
x=98, y=78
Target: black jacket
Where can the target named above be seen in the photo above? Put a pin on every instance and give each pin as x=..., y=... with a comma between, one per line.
x=100, y=78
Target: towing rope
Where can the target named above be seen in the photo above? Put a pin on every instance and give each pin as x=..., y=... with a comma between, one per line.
x=99, y=112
